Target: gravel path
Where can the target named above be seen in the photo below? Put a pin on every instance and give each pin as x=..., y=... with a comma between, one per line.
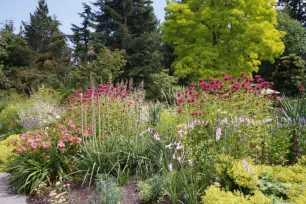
x=5, y=196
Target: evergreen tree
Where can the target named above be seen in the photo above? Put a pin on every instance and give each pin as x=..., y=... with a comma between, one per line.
x=51, y=53
x=295, y=8
x=82, y=37
x=131, y=25
x=43, y=35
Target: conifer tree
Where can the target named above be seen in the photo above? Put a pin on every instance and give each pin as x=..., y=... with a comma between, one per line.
x=82, y=37
x=43, y=35
x=131, y=25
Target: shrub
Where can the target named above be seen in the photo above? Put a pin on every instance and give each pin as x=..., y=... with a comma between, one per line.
x=214, y=195
x=107, y=191
x=282, y=183
x=152, y=189
x=44, y=156
x=9, y=119
x=41, y=109
x=6, y=150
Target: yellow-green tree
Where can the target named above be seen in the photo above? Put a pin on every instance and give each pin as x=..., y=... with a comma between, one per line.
x=214, y=36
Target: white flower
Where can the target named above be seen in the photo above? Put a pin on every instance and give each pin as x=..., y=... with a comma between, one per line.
x=179, y=159
x=170, y=166
x=190, y=162
x=179, y=146
x=168, y=146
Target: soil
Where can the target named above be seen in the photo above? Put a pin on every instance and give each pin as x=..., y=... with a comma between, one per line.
x=130, y=195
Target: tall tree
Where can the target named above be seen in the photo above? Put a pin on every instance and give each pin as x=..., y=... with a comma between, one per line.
x=131, y=25
x=294, y=40
x=214, y=36
x=51, y=53
x=295, y=8
x=82, y=37
x=43, y=35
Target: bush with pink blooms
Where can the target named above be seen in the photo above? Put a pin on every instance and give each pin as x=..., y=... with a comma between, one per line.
x=45, y=155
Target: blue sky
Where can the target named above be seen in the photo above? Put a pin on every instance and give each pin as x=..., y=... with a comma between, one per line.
x=65, y=10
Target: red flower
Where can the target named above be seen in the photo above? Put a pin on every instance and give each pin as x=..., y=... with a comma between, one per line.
x=302, y=89
x=180, y=110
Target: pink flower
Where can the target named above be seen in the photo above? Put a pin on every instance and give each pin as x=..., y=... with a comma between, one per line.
x=37, y=138
x=224, y=121
x=218, y=134
x=19, y=149
x=242, y=73
x=33, y=145
x=46, y=145
x=13, y=142
x=61, y=144
x=302, y=89
x=180, y=110
x=150, y=130
x=156, y=137
x=22, y=137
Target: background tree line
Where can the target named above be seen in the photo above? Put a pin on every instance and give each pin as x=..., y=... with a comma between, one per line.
x=123, y=39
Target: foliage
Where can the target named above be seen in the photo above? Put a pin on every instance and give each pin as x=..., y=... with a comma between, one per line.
x=159, y=83
x=132, y=26
x=214, y=37
x=296, y=9
x=108, y=191
x=282, y=183
x=41, y=109
x=289, y=75
x=152, y=189
x=295, y=39
x=45, y=155
x=108, y=64
x=82, y=36
x=6, y=150
x=9, y=119
x=215, y=195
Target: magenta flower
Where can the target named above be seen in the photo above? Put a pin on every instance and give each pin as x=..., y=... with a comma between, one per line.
x=302, y=89
x=218, y=134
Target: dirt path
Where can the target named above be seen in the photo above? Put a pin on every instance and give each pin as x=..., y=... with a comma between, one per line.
x=5, y=196
x=130, y=195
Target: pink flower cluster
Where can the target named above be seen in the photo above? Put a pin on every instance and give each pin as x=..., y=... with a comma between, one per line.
x=61, y=135
x=109, y=90
x=222, y=88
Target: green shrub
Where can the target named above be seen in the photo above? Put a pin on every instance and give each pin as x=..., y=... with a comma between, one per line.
x=9, y=118
x=215, y=195
x=151, y=189
x=284, y=183
x=107, y=191
x=6, y=150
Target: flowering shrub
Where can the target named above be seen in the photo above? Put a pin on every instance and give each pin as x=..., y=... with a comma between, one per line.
x=111, y=109
x=41, y=109
x=45, y=155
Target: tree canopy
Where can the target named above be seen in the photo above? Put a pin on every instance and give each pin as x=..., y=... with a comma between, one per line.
x=214, y=36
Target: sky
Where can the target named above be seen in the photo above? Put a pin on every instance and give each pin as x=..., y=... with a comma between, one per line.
x=66, y=11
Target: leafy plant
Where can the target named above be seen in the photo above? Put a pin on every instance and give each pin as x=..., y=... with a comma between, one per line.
x=44, y=156
x=107, y=191
x=151, y=189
